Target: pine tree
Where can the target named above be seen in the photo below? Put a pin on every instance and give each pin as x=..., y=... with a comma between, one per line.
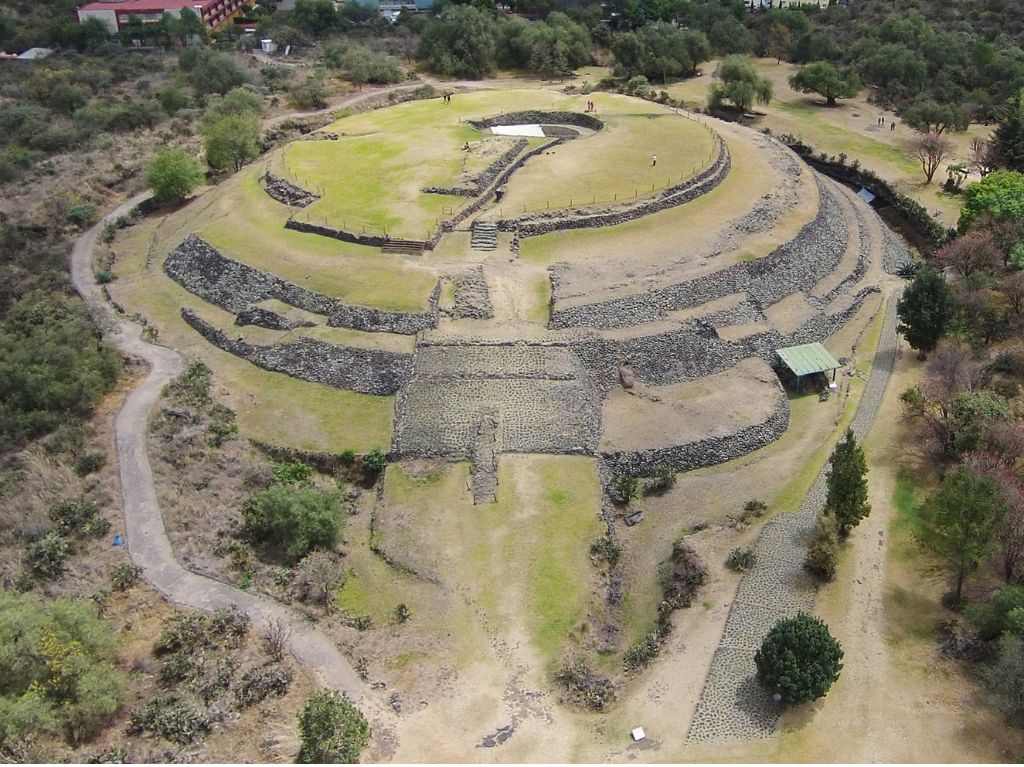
x=847, y=499
x=925, y=310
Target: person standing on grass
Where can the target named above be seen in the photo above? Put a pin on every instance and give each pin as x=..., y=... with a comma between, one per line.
x=654, y=160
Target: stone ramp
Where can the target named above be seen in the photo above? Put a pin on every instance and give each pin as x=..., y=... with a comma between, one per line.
x=484, y=477
x=733, y=706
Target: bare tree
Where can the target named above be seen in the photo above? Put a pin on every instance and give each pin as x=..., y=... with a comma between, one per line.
x=983, y=156
x=275, y=638
x=974, y=252
x=931, y=150
x=1013, y=289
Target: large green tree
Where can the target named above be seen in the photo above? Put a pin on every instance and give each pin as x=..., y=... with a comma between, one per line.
x=231, y=141
x=460, y=42
x=799, y=660
x=925, y=310
x=847, y=498
x=738, y=83
x=825, y=79
x=173, y=174
x=293, y=518
x=929, y=116
x=659, y=51
x=958, y=523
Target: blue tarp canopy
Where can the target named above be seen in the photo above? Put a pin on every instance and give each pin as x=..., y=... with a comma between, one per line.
x=866, y=195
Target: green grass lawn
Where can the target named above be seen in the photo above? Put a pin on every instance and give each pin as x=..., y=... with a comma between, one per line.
x=246, y=224
x=525, y=558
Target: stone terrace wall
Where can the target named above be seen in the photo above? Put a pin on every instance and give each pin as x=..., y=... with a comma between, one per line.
x=367, y=371
x=706, y=452
x=535, y=224
x=534, y=116
x=286, y=192
x=796, y=265
x=486, y=177
x=202, y=270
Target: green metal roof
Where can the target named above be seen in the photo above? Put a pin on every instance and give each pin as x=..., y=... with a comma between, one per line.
x=807, y=358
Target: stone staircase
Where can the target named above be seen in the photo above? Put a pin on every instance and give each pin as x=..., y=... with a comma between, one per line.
x=484, y=235
x=404, y=247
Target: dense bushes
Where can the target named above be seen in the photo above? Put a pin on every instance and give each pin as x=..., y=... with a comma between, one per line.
x=659, y=51
x=331, y=729
x=56, y=669
x=53, y=366
x=293, y=518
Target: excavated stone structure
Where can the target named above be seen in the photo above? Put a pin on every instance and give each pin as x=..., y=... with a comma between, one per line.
x=466, y=395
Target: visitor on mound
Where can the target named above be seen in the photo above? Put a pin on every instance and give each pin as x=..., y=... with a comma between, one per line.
x=654, y=160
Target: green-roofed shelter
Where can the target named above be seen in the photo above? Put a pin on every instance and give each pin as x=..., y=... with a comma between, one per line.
x=808, y=359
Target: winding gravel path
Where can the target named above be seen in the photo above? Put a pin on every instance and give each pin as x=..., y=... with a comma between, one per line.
x=147, y=539
x=733, y=706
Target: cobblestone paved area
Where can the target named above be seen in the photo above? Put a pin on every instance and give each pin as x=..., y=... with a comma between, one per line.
x=732, y=705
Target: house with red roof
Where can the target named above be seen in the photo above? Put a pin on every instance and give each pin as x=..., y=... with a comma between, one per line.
x=116, y=14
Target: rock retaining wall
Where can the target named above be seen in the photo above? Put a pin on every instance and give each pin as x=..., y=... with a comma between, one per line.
x=236, y=287
x=796, y=265
x=537, y=117
x=486, y=177
x=706, y=452
x=286, y=192
x=367, y=371
x=535, y=224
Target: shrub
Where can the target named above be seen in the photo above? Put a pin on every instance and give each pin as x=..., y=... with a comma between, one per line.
x=77, y=518
x=88, y=463
x=1002, y=613
x=82, y=214
x=57, y=668
x=258, y=684
x=606, y=549
x=192, y=387
x=642, y=653
x=223, y=425
x=584, y=686
x=756, y=507
x=181, y=632
x=53, y=366
x=664, y=479
x=309, y=94
x=1005, y=677
x=823, y=553
x=169, y=718
x=45, y=557
x=177, y=667
x=331, y=729
x=402, y=613
x=374, y=462
x=292, y=473
x=684, y=576
x=317, y=577
x=799, y=660
x=294, y=518
x=124, y=576
x=623, y=488
x=741, y=559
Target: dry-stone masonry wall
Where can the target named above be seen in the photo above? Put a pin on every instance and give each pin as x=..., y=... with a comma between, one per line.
x=534, y=224
x=536, y=117
x=287, y=192
x=265, y=318
x=236, y=287
x=472, y=297
x=486, y=177
x=368, y=371
x=705, y=452
x=795, y=265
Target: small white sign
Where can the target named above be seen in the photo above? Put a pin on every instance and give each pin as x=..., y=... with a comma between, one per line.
x=638, y=734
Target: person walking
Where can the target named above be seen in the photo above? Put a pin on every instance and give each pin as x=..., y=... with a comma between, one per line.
x=654, y=160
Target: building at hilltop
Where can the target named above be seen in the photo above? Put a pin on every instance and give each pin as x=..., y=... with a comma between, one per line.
x=117, y=14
